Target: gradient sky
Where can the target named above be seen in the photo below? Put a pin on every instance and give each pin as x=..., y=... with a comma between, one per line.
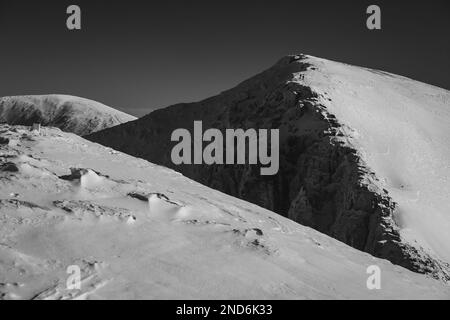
x=138, y=56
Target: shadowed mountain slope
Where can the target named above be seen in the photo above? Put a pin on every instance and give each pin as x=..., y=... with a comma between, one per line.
x=364, y=154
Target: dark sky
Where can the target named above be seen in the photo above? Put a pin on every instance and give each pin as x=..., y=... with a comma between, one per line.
x=141, y=55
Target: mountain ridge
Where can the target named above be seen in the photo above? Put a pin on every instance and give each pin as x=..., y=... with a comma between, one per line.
x=333, y=176
x=69, y=113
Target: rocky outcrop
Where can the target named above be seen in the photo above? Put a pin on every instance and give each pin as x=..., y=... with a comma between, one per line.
x=322, y=182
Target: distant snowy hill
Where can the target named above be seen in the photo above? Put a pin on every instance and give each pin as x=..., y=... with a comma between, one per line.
x=136, y=230
x=71, y=114
x=364, y=155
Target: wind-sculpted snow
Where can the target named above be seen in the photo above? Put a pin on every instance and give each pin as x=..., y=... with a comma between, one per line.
x=364, y=155
x=136, y=230
x=71, y=114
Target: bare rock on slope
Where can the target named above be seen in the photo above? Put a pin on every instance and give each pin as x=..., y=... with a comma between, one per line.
x=72, y=114
x=324, y=180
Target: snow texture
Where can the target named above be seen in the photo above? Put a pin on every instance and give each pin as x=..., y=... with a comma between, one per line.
x=141, y=231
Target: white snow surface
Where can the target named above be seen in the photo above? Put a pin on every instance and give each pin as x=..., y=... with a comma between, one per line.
x=69, y=113
x=141, y=231
x=401, y=128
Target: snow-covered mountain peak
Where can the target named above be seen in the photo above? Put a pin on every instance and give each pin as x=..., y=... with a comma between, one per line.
x=364, y=154
x=72, y=114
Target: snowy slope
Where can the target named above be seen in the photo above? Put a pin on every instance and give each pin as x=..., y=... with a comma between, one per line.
x=71, y=114
x=138, y=230
x=364, y=154
x=401, y=127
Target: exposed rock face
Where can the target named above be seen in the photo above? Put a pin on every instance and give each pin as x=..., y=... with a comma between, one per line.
x=72, y=114
x=9, y=167
x=322, y=182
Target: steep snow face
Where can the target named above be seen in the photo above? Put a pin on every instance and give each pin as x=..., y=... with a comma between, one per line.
x=401, y=128
x=72, y=114
x=137, y=230
x=363, y=154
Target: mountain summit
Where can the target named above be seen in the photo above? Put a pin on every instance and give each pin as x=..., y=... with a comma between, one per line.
x=364, y=154
x=68, y=113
